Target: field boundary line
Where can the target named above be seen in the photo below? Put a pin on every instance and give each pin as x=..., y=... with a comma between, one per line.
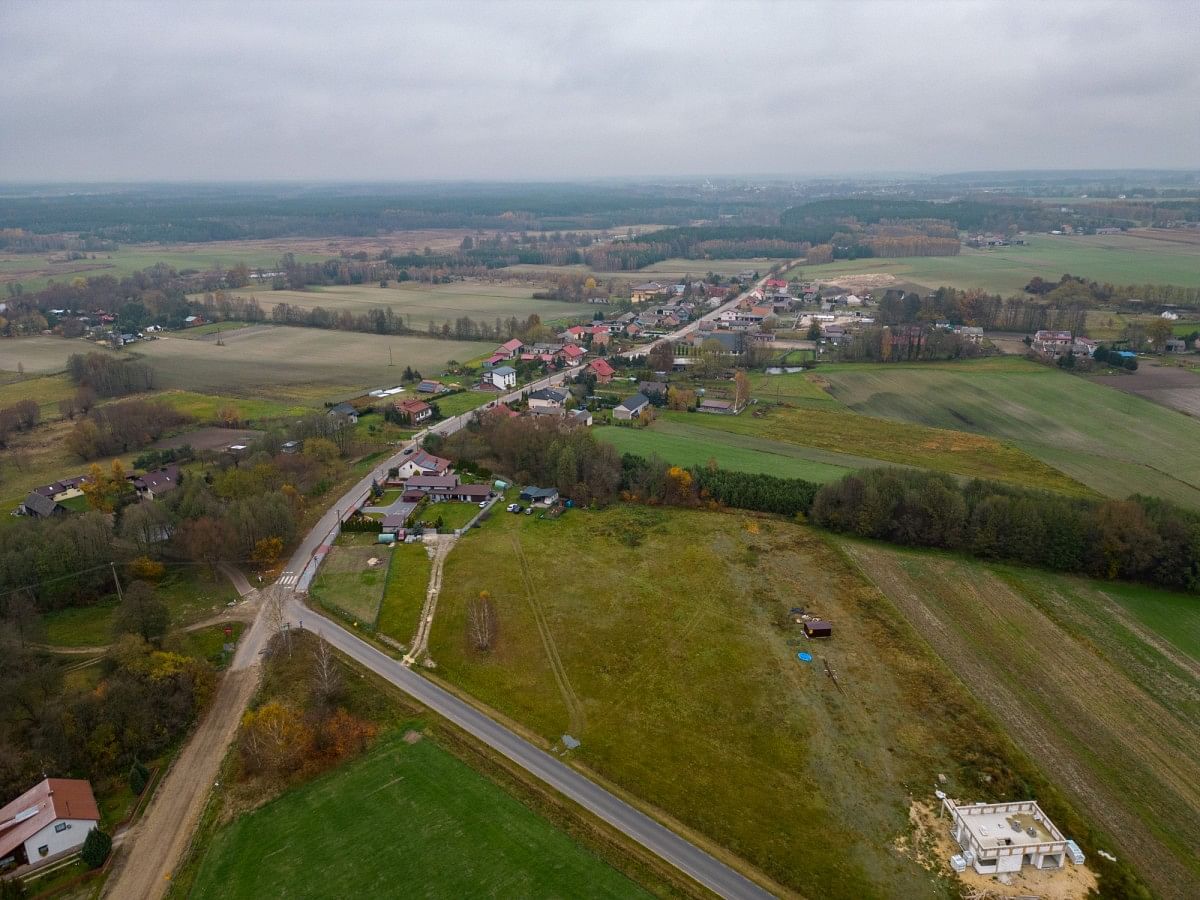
x=575, y=717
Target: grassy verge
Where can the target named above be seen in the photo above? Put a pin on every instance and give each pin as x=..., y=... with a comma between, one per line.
x=404, y=595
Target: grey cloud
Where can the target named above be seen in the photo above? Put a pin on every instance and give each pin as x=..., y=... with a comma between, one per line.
x=208, y=90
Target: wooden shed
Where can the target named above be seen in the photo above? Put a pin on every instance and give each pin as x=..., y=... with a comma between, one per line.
x=818, y=628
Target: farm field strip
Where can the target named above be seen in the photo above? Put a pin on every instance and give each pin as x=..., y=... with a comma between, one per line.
x=684, y=444
x=1067, y=421
x=424, y=303
x=449, y=833
x=1092, y=715
x=939, y=449
x=1118, y=259
x=404, y=593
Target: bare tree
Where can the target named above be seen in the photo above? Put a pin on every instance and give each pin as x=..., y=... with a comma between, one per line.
x=276, y=611
x=481, y=621
x=327, y=679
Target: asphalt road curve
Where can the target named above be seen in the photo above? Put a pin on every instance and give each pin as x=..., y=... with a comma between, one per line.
x=705, y=869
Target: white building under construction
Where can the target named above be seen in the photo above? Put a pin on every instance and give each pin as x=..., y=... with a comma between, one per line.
x=1004, y=837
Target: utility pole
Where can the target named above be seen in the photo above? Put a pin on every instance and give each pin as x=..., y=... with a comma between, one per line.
x=117, y=581
x=389, y=354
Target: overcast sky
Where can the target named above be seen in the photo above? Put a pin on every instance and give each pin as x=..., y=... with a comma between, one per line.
x=403, y=91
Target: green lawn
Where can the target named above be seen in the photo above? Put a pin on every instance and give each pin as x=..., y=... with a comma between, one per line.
x=1099, y=681
x=660, y=638
x=1118, y=259
x=348, y=583
x=1112, y=441
x=453, y=515
x=453, y=404
x=404, y=820
x=404, y=593
x=188, y=593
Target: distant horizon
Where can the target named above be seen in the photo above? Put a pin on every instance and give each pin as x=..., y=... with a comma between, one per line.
x=122, y=91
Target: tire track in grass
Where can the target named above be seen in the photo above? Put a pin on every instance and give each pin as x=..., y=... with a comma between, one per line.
x=575, y=717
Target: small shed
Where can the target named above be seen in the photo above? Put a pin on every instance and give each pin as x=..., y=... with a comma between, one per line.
x=818, y=628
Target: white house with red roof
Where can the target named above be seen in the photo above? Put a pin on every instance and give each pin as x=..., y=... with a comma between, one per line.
x=420, y=462
x=571, y=355
x=510, y=348
x=49, y=819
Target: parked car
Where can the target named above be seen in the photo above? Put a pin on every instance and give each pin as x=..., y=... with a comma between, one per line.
x=483, y=504
x=513, y=507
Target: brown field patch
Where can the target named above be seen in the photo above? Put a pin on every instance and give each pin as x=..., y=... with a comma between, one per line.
x=1115, y=746
x=1170, y=386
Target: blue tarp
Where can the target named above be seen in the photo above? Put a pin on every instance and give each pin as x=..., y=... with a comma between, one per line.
x=804, y=657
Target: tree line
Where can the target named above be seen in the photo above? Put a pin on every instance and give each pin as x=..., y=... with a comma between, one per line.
x=1139, y=539
x=108, y=376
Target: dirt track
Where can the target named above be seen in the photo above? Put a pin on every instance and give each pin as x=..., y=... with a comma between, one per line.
x=156, y=844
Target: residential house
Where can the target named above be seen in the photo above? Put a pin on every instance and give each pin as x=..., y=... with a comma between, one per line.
x=414, y=411
x=631, y=408
x=650, y=290
x=429, y=386
x=575, y=334
x=653, y=388
x=1052, y=342
x=420, y=462
x=603, y=371
x=548, y=398
x=188, y=322
x=544, y=496
x=441, y=488
x=157, y=483
x=510, y=348
x=1005, y=837
x=502, y=377
x=40, y=506
x=581, y=417
x=502, y=409
x=345, y=409
x=600, y=336
x=494, y=360
x=571, y=355
x=66, y=489
x=50, y=819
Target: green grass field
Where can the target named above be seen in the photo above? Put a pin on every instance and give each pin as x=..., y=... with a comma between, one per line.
x=1100, y=682
x=421, y=304
x=826, y=427
x=347, y=583
x=1118, y=259
x=453, y=515
x=404, y=820
x=1114, y=442
x=660, y=638
x=453, y=404
x=188, y=593
x=686, y=443
x=404, y=593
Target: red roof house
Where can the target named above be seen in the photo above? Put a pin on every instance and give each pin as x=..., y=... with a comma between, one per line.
x=602, y=370
x=49, y=819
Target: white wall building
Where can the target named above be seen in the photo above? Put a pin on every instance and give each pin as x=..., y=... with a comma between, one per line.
x=1003, y=837
x=49, y=819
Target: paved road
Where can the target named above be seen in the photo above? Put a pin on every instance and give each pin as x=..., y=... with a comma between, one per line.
x=684, y=855
x=680, y=333
x=168, y=824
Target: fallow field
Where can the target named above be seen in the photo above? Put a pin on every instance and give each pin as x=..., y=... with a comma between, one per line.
x=425, y=303
x=295, y=364
x=662, y=639
x=1099, y=682
x=1134, y=258
x=1114, y=442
